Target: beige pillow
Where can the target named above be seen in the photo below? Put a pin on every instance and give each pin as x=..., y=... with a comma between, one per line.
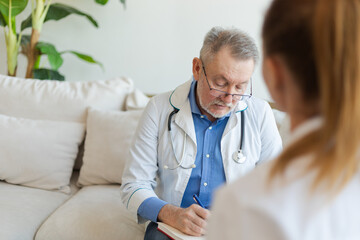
x=60, y=101
x=38, y=153
x=136, y=100
x=108, y=138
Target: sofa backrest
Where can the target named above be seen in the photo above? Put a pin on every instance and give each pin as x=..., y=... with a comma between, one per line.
x=60, y=101
x=65, y=101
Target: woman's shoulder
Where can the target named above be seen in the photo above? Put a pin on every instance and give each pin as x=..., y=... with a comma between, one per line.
x=257, y=202
x=260, y=189
x=289, y=205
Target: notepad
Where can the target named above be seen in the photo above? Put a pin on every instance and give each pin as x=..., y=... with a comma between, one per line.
x=175, y=234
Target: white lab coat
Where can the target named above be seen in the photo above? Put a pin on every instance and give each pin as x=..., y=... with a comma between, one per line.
x=144, y=175
x=251, y=209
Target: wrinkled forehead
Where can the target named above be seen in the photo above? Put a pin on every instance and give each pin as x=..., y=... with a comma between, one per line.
x=230, y=69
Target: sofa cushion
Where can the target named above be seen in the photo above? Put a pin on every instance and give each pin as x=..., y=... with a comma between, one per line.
x=107, y=144
x=38, y=153
x=61, y=101
x=95, y=212
x=24, y=209
x=136, y=100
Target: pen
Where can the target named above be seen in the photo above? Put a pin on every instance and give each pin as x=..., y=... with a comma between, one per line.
x=197, y=200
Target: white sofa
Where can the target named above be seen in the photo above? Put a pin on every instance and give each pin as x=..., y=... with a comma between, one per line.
x=51, y=190
x=43, y=193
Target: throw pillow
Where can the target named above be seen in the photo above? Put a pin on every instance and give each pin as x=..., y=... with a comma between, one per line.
x=136, y=100
x=108, y=139
x=38, y=153
x=60, y=101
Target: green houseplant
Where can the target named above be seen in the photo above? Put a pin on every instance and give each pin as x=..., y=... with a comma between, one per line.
x=29, y=45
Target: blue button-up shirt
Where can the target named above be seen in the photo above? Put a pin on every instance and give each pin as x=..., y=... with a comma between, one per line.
x=209, y=173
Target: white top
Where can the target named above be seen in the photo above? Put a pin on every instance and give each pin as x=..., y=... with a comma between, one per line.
x=145, y=176
x=250, y=209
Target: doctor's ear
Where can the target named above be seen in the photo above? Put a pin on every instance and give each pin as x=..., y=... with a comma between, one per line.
x=196, y=69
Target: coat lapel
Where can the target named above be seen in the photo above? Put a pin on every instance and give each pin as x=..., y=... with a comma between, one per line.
x=235, y=118
x=179, y=100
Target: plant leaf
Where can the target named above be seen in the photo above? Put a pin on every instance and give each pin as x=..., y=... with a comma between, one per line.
x=59, y=11
x=53, y=55
x=102, y=2
x=47, y=74
x=26, y=23
x=25, y=44
x=25, y=39
x=17, y=6
x=2, y=20
x=85, y=57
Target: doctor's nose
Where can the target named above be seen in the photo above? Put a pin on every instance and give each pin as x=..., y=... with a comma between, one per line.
x=227, y=98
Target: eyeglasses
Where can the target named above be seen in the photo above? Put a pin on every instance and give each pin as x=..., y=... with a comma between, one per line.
x=235, y=96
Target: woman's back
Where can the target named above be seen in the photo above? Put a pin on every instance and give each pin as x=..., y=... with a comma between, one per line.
x=286, y=209
x=312, y=190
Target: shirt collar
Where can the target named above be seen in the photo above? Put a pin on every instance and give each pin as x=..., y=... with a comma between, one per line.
x=192, y=98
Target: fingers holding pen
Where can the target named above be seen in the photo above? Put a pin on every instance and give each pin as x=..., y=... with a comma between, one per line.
x=196, y=217
x=201, y=212
x=191, y=220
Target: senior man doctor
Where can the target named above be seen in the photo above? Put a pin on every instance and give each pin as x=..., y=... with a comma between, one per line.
x=207, y=132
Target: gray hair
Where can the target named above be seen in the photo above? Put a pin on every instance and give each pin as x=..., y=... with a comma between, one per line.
x=241, y=45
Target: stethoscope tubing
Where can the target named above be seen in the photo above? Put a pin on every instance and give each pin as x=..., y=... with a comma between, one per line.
x=238, y=158
x=242, y=133
x=170, y=117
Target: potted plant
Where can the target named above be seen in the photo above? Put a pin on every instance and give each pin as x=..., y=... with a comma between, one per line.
x=29, y=45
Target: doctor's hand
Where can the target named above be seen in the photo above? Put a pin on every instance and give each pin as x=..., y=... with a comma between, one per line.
x=191, y=220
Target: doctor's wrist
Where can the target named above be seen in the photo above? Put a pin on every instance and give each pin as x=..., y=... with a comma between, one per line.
x=167, y=214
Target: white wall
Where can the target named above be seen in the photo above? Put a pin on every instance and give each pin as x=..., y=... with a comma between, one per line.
x=151, y=41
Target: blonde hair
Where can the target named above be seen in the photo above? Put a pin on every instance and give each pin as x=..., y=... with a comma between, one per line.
x=330, y=29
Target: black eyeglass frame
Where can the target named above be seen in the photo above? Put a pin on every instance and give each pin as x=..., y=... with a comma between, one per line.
x=233, y=95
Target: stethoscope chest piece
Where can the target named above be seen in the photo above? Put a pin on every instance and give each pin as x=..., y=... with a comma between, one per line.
x=239, y=157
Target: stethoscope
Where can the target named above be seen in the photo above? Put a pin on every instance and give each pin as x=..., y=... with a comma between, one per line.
x=238, y=156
